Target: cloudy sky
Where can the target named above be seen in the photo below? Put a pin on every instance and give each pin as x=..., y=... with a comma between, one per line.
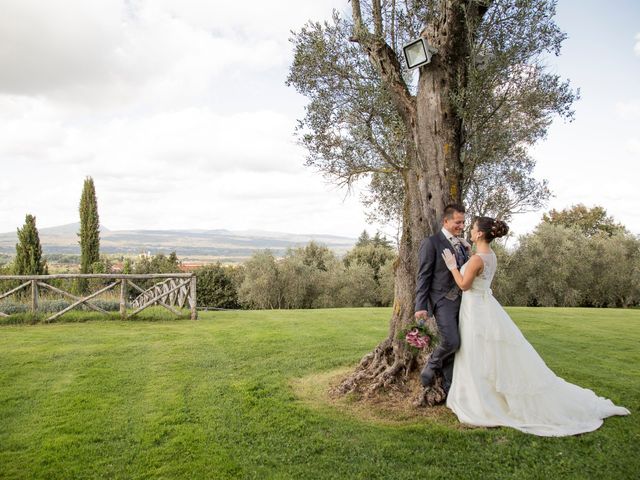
x=179, y=112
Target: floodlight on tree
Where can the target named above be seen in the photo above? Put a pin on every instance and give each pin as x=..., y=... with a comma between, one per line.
x=417, y=53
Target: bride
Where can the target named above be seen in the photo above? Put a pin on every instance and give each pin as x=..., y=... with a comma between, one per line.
x=498, y=377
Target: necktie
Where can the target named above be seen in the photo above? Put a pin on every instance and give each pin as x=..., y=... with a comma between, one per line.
x=458, y=251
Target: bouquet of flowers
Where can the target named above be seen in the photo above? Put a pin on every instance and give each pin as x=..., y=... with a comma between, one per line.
x=418, y=335
x=415, y=339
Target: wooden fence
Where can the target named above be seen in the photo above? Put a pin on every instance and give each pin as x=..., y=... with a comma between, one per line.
x=175, y=288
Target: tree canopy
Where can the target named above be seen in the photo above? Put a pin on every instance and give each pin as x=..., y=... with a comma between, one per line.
x=589, y=221
x=355, y=126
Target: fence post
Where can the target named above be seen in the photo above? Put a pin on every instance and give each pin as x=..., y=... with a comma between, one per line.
x=187, y=291
x=192, y=298
x=123, y=302
x=34, y=296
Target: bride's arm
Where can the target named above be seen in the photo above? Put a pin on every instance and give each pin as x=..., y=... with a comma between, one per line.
x=474, y=268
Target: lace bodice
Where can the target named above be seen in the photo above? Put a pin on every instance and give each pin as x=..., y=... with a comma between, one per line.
x=482, y=282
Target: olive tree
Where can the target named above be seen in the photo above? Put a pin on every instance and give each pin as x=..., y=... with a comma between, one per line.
x=458, y=129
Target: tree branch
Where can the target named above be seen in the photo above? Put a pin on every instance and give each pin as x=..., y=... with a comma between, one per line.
x=347, y=178
x=377, y=19
x=386, y=62
x=383, y=153
x=357, y=17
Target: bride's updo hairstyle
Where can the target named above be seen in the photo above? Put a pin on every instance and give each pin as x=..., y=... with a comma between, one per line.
x=491, y=227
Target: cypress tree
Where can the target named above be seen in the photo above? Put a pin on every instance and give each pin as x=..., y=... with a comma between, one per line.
x=364, y=239
x=29, y=259
x=89, y=229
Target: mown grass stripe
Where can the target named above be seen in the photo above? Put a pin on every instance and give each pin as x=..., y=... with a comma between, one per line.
x=214, y=399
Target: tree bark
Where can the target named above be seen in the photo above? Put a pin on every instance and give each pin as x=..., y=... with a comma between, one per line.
x=433, y=179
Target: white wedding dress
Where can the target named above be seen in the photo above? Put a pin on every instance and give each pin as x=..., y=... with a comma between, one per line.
x=500, y=380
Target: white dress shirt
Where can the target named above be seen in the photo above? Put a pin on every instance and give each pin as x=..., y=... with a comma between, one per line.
x=453, y=240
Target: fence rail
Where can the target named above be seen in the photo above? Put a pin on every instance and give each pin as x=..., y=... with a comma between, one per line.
x=180, y=287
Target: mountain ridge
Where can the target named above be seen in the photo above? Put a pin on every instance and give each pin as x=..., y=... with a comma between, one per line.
x=218, y=243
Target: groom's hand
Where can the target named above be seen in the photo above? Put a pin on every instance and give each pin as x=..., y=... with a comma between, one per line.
x=422, y=315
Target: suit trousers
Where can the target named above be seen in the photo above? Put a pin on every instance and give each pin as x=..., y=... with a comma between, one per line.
x=446, y=312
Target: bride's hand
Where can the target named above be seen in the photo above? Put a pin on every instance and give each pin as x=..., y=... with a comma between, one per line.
x=449, y=259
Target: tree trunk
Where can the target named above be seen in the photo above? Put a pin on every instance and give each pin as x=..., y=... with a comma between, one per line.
x=432, y=180
x=391, y=364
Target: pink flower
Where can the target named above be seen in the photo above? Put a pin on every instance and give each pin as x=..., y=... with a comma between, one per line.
x=415, y=339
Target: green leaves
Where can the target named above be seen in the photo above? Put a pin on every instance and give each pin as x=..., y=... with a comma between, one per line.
x=505, y=100
x=590, y=221
x=29, y=259
x=89, y=227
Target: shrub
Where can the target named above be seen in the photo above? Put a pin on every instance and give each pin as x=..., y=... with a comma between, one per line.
x=216, y=287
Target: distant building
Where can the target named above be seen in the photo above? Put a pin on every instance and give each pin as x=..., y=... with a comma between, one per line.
x=188, y=267
x=117, y=267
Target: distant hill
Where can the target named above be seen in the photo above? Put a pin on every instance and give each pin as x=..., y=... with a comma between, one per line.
x=223, y=244
x=68, y=229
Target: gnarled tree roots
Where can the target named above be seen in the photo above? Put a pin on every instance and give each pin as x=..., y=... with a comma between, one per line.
x=392, y=369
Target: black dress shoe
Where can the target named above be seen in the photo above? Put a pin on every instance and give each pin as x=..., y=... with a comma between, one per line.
x=427, y=376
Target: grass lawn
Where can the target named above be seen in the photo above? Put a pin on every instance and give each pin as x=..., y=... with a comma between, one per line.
x=215, y=398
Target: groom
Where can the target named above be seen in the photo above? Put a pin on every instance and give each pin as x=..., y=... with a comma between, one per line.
x=438, y=295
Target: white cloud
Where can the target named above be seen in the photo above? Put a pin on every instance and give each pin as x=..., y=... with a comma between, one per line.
x=46, y=45
x=629, y=110
x=178, y=110
x=151, y=53
x=192, y=138
x=633, y=147
x=151, y=157
x=258, y=19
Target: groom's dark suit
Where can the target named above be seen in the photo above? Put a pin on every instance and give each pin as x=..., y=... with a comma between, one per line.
x=438, y=294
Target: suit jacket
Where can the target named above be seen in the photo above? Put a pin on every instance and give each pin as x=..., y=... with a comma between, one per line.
x=434, y=280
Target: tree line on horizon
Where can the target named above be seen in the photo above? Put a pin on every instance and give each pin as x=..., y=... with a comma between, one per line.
x=578, y=256
x=312, y=276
